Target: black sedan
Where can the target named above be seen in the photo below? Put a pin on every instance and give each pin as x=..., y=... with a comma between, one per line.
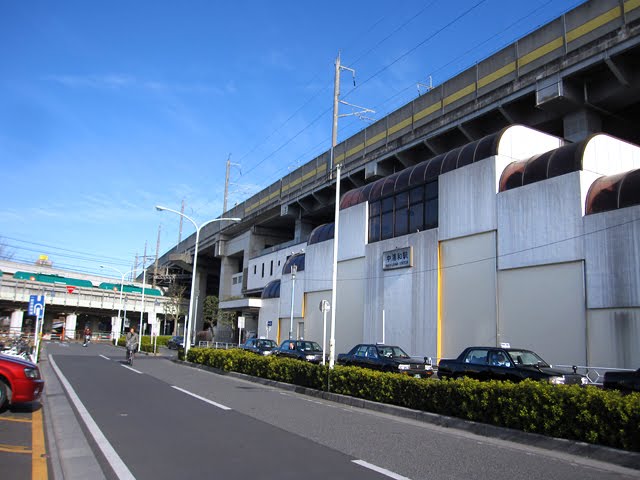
x=514, y=364
x=261, y=346
x=388, y=358
x=625, y=381
x=175, y=343
x=300, y=350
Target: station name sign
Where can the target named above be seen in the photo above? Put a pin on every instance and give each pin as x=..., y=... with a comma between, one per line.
x=398, y=258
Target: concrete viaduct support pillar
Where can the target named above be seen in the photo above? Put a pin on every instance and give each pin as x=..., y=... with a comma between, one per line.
x=580, y=124
x=70, y=326
x=17, y=317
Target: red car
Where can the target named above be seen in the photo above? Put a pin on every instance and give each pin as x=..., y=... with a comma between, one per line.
x=20, y=381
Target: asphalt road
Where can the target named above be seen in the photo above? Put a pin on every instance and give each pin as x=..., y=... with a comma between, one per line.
x=166, y=420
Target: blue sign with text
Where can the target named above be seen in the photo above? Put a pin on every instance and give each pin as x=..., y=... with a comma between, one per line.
x=36, y=305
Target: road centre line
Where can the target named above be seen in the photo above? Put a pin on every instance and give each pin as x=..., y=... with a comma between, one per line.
x=383, y=471
x=219, y=405
x=106, y=358
x=116, y=463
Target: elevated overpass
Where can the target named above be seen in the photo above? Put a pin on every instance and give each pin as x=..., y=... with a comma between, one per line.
x=73, y=306
x=573, y=77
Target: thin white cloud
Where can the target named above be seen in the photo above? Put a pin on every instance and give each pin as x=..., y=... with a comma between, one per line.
x=113, y=81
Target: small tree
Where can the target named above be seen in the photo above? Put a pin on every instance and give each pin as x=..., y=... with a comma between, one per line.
x=175, y=306
x=214, y=315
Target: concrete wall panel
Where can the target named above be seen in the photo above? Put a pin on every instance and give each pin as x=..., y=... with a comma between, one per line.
x=613, y=338
x=612, y=250
x=543, y=309
x=468, y=292
x=408, y=296
x=591, y=21
x=541, y=223
x=540, y=47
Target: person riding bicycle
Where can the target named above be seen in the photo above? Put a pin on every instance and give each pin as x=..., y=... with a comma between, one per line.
x=87, y=336
x=131, y=343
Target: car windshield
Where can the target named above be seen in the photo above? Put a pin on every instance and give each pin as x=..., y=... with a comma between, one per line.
x=266, y=343
x=528, y=358
x=308, y=346
x=392, y=352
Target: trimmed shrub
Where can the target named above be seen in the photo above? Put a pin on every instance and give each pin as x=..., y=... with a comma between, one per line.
x=586, y=414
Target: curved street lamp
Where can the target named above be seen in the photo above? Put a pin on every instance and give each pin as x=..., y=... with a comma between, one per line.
x=192, y=311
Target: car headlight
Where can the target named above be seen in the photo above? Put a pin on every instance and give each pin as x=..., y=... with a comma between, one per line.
x=584, y=381
x=310, y=357
x=31, y=373
x=266, y=352
x=428, y=367
x=402, y=366
x=557, y=380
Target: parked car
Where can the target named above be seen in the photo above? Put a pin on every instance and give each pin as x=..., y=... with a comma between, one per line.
x=175, y=342
x=514, y=364
x=300, y=350
x=20, y=381
x=261, y=346
x=624, y=381
x=388, y=358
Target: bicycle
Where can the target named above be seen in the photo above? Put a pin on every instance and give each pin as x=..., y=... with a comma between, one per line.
x=130, y=356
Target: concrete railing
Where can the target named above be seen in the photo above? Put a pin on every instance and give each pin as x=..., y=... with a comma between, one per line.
x=19, y=291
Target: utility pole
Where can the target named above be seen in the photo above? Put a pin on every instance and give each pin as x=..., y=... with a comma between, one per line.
x=155, y=268
x=226, y=183
x=336, y=103
x=336, y=229
x=181, y=217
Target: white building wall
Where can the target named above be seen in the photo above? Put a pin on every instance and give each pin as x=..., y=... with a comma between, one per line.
x=408, y=296
x=542, y=308
x=468, y=293
x=467, y=198
x=352, y=232
x=606, y=155
x=541, y=223
x=612, y=246
x=613, y=337
x=256, y=279
x=319, y=260
x=269, y=312
x=350, y=304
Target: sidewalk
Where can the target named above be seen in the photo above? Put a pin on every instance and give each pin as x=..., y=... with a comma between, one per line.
x=70, y=454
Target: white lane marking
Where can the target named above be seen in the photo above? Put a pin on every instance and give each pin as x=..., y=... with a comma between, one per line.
x=132, y=369
x=219, y=405
x=383, y=471
x=106, y=358
x=108, y=451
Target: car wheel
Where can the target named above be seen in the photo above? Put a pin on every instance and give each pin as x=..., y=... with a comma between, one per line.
x=4, y=396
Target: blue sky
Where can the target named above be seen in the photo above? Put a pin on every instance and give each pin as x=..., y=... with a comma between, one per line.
x=108, y=108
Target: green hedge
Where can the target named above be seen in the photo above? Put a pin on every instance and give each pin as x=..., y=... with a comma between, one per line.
x=146, y=345
x=586, y=414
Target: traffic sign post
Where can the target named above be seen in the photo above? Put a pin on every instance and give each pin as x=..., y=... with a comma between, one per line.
x=240, y=327
x=37, y=307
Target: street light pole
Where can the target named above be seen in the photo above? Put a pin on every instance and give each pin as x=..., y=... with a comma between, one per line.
x=192, y=313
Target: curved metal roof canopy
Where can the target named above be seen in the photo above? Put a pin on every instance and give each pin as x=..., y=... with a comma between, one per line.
x=613, y=192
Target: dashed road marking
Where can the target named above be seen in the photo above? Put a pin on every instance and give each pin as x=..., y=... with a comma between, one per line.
x=381, y=470
x=211, y=402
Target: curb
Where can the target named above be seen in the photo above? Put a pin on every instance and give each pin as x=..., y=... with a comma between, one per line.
x=622, y=458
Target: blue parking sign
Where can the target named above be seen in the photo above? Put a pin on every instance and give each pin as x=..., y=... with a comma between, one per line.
x=36, y=305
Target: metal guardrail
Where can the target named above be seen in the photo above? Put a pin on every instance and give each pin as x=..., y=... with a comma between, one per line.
x=595, y=375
